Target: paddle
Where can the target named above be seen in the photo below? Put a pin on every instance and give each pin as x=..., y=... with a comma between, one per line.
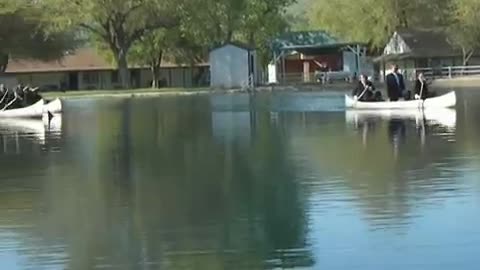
x=421, y=89
x=365, y=86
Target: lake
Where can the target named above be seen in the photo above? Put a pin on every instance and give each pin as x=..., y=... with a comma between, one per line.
x=275, y=181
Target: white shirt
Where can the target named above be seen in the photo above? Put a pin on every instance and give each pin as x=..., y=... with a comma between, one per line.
x=396, y=78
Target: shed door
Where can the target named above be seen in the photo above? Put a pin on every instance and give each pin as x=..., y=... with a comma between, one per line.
x=251, y=64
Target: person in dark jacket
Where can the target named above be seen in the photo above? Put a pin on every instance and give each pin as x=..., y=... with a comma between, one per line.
x=396, y=85
x=421, y=88
x=364, y=90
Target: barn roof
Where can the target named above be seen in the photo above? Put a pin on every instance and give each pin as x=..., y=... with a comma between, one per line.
x=428, y=42
x=421, y=43
x=308, y=42
x=238, y=44
x=82, y=59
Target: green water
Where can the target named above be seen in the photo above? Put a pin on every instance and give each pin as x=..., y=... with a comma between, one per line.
x=279, y=181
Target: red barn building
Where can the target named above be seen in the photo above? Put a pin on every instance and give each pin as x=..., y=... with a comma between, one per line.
x=303, y=57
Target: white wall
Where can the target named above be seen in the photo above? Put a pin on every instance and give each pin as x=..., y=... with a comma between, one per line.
x=229, y=67
x=396, y=45
x=272, y=73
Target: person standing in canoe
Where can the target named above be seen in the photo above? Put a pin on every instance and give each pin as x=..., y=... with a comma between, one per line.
x=421, y=88
x=395, y=85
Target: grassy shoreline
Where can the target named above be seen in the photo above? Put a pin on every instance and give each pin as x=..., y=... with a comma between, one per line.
x=125, y=93
x=148, y=92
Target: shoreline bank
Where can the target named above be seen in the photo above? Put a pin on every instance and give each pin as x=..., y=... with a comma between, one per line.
x=440, y=84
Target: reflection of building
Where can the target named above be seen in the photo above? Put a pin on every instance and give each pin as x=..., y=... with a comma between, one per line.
x=231, y=118
x=87, y=69
x=233, y=65
x=231, y=126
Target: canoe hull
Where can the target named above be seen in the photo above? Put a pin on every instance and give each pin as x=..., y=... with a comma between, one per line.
x=54, y=106
x=35, y=110
x=445, y=101
x=444, y=116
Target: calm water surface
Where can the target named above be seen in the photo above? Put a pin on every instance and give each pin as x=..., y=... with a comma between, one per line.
x=282, y=181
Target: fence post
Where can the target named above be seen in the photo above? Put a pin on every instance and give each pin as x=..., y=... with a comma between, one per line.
x=449, y=72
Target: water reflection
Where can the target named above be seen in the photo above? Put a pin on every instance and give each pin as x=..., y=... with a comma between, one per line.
x=219, y=183
x=17, y=133
x=172, y=192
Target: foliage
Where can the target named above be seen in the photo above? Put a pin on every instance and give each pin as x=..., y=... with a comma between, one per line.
x=465, y=27
x=208, y=23
x=119, y=24
x=26, y=31
x=373, y=21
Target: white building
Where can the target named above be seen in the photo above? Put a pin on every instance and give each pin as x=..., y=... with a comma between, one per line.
x=233, y=65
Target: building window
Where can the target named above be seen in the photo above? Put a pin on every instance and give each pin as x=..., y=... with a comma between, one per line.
x=91, y=77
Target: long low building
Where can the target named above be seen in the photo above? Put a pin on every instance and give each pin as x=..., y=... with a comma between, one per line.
x=86, y=69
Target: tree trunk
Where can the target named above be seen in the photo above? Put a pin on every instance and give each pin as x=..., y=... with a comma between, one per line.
x=3, y=62
x=155, y=76
x=123, y=72
x=155, y=69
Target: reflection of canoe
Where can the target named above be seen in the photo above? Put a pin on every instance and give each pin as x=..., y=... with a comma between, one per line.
x=55, y=124
x=442, y=116
x=444, y=101
x=35, y=110
x=54, y=106
x=36, y=128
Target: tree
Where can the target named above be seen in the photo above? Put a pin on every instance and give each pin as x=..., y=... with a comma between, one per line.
x=210, y=23
x=465, y=27
x=119, y=24
x=373, y=21
x=150, y=50
x=26, y=32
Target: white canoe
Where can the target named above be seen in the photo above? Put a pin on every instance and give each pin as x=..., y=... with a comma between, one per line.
x=35, y=110
x=54, y=106
x=443, y=116
x=444, y=101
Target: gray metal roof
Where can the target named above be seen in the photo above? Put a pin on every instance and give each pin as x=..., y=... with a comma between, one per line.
x=308, y=40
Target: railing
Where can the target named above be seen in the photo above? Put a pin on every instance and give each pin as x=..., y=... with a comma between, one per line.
x=249, y=83
x=448, y=72
x=315, y=77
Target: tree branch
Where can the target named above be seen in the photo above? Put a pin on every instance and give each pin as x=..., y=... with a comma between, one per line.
x=94, y=30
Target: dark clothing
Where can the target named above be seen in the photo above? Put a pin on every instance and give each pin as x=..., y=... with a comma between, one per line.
x=395, y=86
x=368, y=95
x=418, y=89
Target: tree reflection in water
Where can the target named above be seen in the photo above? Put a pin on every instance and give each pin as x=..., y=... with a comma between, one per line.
x=142, y=184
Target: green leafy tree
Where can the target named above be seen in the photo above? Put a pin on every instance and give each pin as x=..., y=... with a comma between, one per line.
x=209, y=23
x=373, y=21
x=150, y=50
x=465, y=27
x=27, y=32
x=119, y=24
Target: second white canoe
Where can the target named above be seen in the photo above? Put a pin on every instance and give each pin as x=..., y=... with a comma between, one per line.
x=445, y=101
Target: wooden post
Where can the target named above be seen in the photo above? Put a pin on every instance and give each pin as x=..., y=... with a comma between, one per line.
x=359, y=65
x=306, y=71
